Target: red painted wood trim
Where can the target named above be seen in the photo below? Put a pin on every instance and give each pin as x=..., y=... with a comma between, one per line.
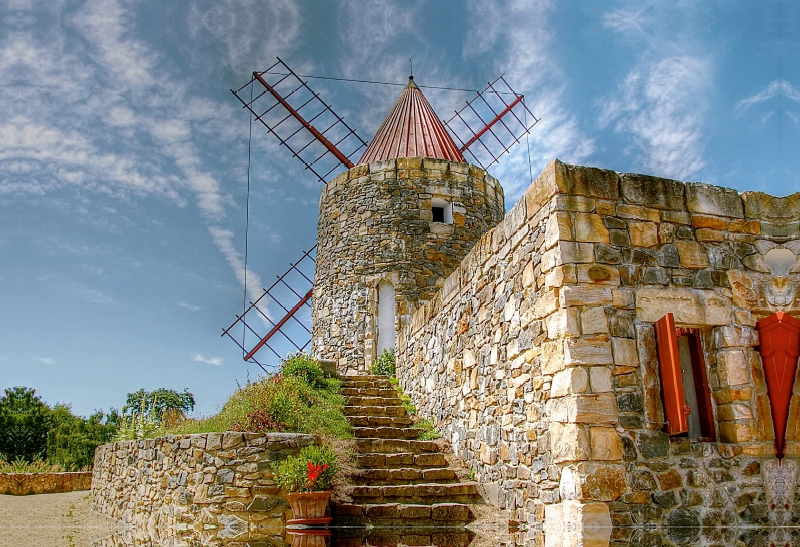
x=779, y=348
x=669, y=361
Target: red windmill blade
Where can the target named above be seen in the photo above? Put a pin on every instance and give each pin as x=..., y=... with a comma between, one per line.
x=503, y=123
x=293, y=112
x=290, y=333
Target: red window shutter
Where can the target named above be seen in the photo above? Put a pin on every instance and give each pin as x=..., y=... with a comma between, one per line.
x=779, y=348
x=669, y=362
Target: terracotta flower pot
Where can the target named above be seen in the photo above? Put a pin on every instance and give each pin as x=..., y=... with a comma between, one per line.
x=309, y=507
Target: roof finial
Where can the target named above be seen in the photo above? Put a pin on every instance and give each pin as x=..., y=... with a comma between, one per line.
x=411, y=77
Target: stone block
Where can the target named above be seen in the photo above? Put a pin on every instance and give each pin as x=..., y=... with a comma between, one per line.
x=598, y=274
x=585, y=296
x=713, y=200
x=733, y=432
x=514, y=219
x=729, y=336
x=594, y=321
x=709, y=235
x=552, y=358
x=605, y=443
x=638, y=212
x=600, y=379
x=625, y=352
x=692, y=254
x=558, y=227
x=734, y=367
x=568, y=442
x=644, y=234
x=601, y=481
x=589, y=228
x=570, y=252
x=595, y=350
x=599, y=408
x=542, y=189
x=691, y=307
x=587, y=181
x=652, y=191
x=569, y=381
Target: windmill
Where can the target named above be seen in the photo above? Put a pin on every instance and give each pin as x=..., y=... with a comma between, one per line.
x=281, y=100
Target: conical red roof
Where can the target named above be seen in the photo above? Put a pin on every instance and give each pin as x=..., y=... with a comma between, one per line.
x=411, y=129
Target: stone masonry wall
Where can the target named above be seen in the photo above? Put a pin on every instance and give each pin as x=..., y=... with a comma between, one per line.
x=538, y=357
x=21, y=484
x=211, y=487
x=375, y=223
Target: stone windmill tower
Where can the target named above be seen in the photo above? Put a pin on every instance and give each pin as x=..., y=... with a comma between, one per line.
x=391, y=229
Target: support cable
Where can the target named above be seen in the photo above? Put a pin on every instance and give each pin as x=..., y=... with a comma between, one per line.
x=247, y=220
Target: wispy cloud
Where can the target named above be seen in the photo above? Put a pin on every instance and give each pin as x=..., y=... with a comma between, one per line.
x=660, y=104
x=45, y=360
x=223, y=239
x=189, y=307
x=775, y=89
x=94, y=296
x=662, y=107
x=216, y=361
x=521, y=46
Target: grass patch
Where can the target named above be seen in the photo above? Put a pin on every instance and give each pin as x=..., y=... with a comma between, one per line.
x=279, y=403
x=429, y=432
x=36, y=466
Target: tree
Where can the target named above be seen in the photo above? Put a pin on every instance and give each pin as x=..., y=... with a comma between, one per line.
x=155, y=403
x=24, y=423
x=72, y=440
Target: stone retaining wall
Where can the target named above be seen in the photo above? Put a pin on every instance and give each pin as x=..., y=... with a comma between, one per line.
x=537, y=359
x=210, y=487
x=20, y=484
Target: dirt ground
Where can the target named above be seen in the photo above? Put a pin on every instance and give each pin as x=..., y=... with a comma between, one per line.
x=50, y=520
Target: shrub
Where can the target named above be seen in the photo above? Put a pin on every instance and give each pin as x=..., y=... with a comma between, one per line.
x=384, y=365
x=310, y=471
x=20, y=465
x=303, y=366
x=279, y=403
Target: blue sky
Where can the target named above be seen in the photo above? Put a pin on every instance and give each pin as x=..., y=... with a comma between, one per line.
x=123, y=154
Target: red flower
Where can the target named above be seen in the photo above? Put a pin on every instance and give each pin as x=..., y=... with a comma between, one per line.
x=314, y=471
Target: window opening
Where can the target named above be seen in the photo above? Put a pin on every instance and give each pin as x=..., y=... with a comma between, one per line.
x=442, y=211
x=386, y=315
x=684, y=381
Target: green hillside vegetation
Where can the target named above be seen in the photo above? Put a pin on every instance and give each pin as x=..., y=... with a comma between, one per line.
x=300, y=398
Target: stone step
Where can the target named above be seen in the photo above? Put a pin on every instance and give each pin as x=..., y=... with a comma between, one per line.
x=378, y=421
x=374, y=401
x=387, y=432
x=402, y=515
x=366, y=381
x=368, y=392
x=351, y=410
x=394, y=446
x=423, y=493
x=401, y=459
x=405, y=475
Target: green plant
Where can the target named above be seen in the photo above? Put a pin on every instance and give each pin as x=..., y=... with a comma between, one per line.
x=429, y=432
x=141, y=424
x=303, y=366
x=279, y=403
x=24, y=423
x=156, y=403
x=310, y=471
x=384, y=365
x=20, y=465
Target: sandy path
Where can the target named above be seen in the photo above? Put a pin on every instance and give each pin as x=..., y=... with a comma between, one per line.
x=50, y=520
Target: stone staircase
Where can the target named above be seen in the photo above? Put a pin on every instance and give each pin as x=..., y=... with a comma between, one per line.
x=402, y=481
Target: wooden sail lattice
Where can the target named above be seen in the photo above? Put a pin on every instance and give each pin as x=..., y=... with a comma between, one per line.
x=307, y=126
x=292, y=293
x=491, y=123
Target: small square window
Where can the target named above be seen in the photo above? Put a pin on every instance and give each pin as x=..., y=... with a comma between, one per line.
x=441, y=211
